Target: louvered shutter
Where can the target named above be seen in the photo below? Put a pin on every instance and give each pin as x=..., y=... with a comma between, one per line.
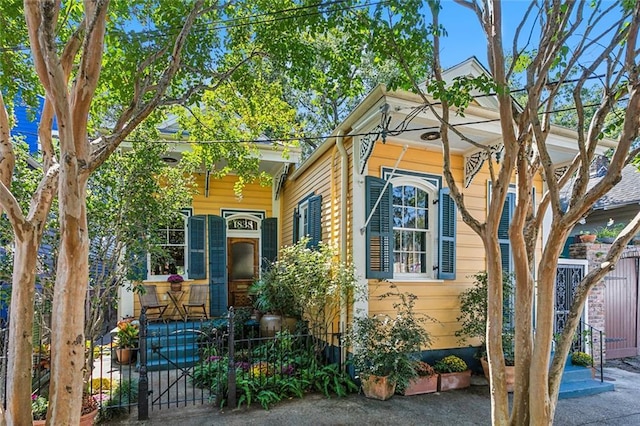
x=197, y=240
x=314, y=224
x=269, y=241
x=503, y=231
x=217, y=265
x=446, y=236
x=379, y=233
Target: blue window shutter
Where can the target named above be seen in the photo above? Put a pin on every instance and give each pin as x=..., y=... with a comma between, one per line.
x=269, y=241
x=217, y=265
x=315, y=221
x=296, y=226
x=503, y=231
x=197, y=238
x=446, y=236
x=379, y=229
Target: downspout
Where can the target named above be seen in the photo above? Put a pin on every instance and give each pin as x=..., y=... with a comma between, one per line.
x=344, y=188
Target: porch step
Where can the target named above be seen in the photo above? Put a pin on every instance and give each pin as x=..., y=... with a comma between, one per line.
x=577, y=381
x=580, y=388
x=576, y=373
x=173, y=345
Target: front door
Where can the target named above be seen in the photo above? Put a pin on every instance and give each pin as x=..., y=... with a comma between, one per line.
x=621, y=309
x=242, y=266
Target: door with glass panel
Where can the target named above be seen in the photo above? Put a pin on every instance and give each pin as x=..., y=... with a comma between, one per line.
x=243, y=257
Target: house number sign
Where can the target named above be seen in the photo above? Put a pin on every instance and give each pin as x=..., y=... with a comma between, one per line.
x=243, y=224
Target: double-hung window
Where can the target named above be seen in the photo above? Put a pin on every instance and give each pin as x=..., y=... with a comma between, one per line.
x=172, y=244
x=411, y=229
x=413, y=224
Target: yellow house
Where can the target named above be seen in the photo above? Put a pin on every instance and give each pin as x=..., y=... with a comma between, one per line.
x=375, y=189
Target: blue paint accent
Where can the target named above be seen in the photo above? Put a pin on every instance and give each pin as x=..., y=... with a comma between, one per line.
x=27, y=127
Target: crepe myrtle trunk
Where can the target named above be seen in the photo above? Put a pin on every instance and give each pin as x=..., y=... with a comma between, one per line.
x=67, y=323
x=18, y=390
x=495, y=358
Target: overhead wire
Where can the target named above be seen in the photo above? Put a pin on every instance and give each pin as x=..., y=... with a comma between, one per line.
x=229, y=23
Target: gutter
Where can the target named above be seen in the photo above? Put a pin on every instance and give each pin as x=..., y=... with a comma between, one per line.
x=344, y=176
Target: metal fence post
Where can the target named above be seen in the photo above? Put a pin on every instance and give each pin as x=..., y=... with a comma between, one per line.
x=143, y=382
x=231, y=369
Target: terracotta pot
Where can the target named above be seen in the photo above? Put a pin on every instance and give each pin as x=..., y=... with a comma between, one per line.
x=422, y=384
x=125, y=355
x=176, y=286
x=588, y=238
x=450, y=381
x=270, y=324
x=378, y=387
x=509, y=372
x=85, y=420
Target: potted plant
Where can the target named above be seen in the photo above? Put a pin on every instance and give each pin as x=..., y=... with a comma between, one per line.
x=587, y=236
x=276, y=301
x=473, y=320
x=176, y=282
x=425, y=382
x=127, y=341
x=386, y=348
x=40, y=405
x=453, y=373
x=607, y=234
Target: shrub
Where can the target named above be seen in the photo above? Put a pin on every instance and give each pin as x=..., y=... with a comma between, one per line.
x=582, y=359
x=424, y=370
x=450, y=364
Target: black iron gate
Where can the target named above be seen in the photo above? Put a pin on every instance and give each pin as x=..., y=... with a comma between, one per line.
x=568, y=278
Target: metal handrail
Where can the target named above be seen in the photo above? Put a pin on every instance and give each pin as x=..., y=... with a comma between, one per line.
x=600, y=334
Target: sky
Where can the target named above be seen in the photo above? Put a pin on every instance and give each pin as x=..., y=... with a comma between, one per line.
x=465, y=37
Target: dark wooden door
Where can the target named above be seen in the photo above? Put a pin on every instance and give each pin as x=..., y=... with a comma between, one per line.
x=243, y=257
x=621, y=309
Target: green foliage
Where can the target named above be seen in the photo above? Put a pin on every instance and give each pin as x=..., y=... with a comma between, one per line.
x=127, y=334
x=120, y=398
x=39, y=406
x=280, y=368
x=308, y=283
x=581, y=358
x=473, y=314
x=450, y=364
x=610, y=231
x=390, y=346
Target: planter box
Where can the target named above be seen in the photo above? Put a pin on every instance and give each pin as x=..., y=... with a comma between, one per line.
x=423, y=384
x=450, y=381
x=378, y=387
x=509, y=374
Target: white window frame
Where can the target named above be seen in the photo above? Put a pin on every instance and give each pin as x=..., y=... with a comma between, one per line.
x=187, y=213
x=431, y=240
x=303, y=219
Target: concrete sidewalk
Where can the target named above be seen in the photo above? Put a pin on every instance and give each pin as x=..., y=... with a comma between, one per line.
x=462, y=407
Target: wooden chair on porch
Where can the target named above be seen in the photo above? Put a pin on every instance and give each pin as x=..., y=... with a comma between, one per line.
x=149, y=300
x=196, y=306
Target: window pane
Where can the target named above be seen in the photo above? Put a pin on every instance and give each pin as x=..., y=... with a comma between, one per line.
x=422, y=198
x=397, y=217
x=410, y=218
x=410, y=196
x=176, y=236
x=242, y=267
x=397, y=195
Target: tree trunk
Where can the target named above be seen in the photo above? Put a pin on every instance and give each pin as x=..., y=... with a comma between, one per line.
x=542, y=407
x=18, y=390
x=495, y=356
x=68, y=343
